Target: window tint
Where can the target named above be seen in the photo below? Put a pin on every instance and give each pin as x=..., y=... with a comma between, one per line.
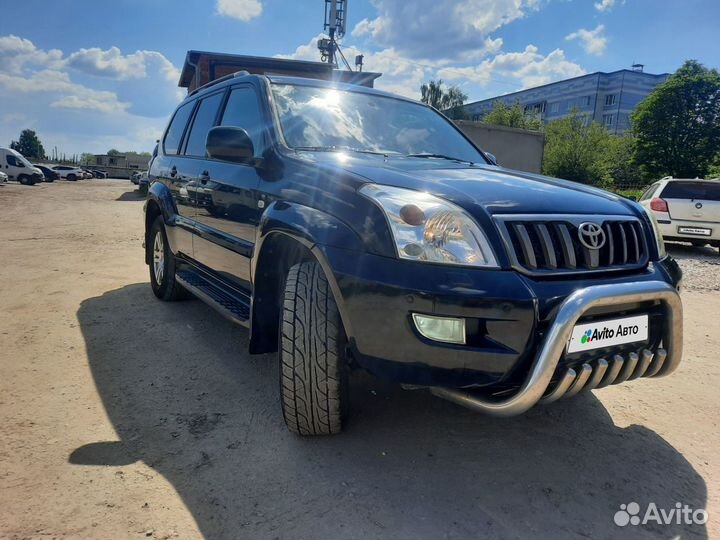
x=242, y=111
x=708, y=191
x=204, y=120
x=175, y=131
x=13, y=161
x=649, y=192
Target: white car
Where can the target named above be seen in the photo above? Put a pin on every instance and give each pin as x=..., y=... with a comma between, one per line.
x=16, y=167
x=686, y=210
x=68, y=172
x=3, y=177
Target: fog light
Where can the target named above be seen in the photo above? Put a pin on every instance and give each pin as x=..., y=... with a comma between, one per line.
x=446, y=329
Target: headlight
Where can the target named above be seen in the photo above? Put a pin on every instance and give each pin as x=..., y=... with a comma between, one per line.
x=426, y=228
x=659, y=242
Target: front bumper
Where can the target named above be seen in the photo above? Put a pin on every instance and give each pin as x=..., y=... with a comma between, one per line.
x=510, y=318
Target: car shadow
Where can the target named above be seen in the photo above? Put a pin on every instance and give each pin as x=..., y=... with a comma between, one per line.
x=134, y=195
x=186, y=399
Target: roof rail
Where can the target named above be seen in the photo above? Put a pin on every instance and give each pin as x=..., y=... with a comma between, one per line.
x=240, y=73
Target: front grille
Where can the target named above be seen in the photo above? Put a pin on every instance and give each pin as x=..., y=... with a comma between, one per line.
x=551, y=244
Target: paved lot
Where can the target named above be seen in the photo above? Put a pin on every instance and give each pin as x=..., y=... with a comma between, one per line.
x=123, y=417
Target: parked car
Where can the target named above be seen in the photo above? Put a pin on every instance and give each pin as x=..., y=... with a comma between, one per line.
x=68, y=172
x=135, y=176
x=99, y=173
x=686, y=210
x=363, y=229
x=144, y=183
x=16, y=167
x=3, y=177
x=48, y=173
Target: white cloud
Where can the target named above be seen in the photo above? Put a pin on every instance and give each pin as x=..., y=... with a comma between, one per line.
x=606, y=5
x=528, y=68
x=243, y=10
x=513, y=70
x=593, y=41
x=16, y=52
x=71, y=95
x=112, y=109
x=432, y=29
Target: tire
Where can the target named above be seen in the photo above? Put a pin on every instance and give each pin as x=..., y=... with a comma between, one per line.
x=71, y=177
x=164, y=285
x=24, y=180
x=313, y=368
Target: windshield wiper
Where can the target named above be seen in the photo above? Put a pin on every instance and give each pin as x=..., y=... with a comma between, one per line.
x=440, y=156
x=340, y=148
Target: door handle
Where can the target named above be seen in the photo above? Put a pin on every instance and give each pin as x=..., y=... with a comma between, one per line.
x=204, y=177
x=173, y=171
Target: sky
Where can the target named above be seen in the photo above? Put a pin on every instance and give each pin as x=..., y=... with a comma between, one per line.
x=90, y=75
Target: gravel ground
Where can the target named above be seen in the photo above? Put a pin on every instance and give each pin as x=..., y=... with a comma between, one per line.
x=700, y=266
x=126, y=417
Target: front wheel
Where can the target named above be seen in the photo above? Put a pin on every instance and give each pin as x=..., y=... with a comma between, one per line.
x=71, y=177
x=162, y=265
x=313, y=369
x=24, y=180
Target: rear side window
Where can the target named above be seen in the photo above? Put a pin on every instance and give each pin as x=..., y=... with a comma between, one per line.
x=707, y=191
x=176, y=129
x=242, y=111
x=204, y=120
x=649, y=192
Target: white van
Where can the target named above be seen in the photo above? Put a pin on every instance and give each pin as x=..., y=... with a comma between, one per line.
x=18, y=168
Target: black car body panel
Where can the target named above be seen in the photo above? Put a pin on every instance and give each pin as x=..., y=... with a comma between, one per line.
x=221, y=217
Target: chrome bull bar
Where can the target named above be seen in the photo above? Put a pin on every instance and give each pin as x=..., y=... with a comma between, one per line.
x=591, y=375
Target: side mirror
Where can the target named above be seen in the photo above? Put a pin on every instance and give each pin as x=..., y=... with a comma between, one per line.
x=229, y=144
x=491, y=157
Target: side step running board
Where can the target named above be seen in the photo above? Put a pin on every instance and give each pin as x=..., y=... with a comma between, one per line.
x=234, y=307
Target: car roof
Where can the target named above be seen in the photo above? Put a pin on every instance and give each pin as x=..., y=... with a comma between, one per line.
x=304, y=81
x=243, y=76
x=668, y=179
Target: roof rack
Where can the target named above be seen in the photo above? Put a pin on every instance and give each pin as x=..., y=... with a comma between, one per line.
x=240, y=73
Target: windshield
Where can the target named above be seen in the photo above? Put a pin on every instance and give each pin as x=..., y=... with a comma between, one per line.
x=326, y=118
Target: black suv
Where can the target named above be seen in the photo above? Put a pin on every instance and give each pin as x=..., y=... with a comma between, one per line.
x=347, y=227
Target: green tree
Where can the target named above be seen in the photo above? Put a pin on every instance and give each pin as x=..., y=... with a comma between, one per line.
x=113, y=152
x=575, y=150
x=87, y=159
x=677, y=125
x=511, y=116
x=714, y=169
x=29, y=145
x=619, y=163
x=450, y=100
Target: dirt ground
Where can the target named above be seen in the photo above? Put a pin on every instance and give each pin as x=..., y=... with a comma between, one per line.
x=124, y=417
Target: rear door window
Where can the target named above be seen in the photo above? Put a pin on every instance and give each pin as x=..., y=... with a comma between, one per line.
x=177, y=128
x=707, y=191
x=204, y=120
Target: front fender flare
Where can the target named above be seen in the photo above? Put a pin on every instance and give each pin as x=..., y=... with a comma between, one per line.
x=313, y=229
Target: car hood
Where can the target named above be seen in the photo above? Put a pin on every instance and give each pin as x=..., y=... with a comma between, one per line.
x=493, y=189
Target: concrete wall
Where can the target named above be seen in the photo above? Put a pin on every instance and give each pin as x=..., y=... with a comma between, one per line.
x=514, y=148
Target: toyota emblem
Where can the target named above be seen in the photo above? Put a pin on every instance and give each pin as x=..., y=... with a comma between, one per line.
x=591, y=235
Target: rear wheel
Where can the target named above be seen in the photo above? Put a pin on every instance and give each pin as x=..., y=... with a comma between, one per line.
x=313, y=369
x=162, y=265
